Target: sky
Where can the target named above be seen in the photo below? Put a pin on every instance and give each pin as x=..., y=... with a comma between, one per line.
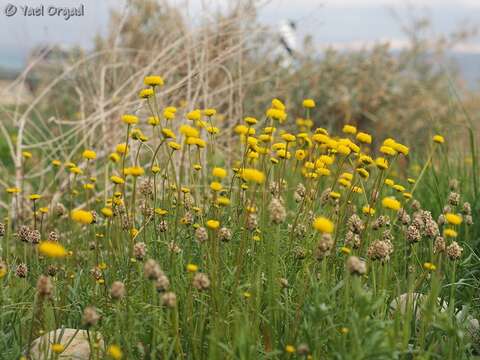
x=340, y=23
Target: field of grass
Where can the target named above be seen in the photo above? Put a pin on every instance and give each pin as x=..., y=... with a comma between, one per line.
x=294, y=243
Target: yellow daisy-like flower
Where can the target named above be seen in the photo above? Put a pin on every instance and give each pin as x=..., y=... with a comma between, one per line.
x=130, y=119
x=250, y=120
x=134, y=171
x=219, y=172
x=210, y=112
x=117, y=180
x=450, y=233
x=161, y=212
x=194, y=115
x=153, y=120
x=391, y=203
x=52, y=249
x=121, y=148
x=349, y=129
x=213, y=224
x=429, y=266
x=12, y=190
x=216, y=186
x=115, y=352
x=26, y=154
x=155, y=169
x=174, y=145
x=290, y=349
x=308, y=103
x=57, y=348
x=453, y=219
x=145, y=93
x=438, y=139
x=169, y=134
x=56, y=163
x=364, y=138
x=345, y=250
x=223, y=201
x=153, y=80
x=367, y=210
x=107, y=212
x=35, y=197
x=363, y=173
x=114, y=157
x=192, y=268
x=387, y=150
x=82, y=216
x=300, y=155
x=88, y=186
x=381, y=163
x=252, y=175
x=323, y=225
x=277, y=104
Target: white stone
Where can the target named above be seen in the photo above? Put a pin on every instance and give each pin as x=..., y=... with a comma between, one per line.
x=75, y=341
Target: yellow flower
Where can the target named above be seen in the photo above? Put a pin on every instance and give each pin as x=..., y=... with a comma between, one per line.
x=308, y=103
x=450, y=233
x=161, y=212
x=345, y=250
x=277, y=104
x=250, y=120
x=407, y=195
x=115, y=352
x=389, y=182
x=134, y=232
x=402, y=149
x=429, y=266
x=411, y=180
x=349, y=129
x=210, y=112
x=169, y=134
x=391, y=203
x=290, y=349
x=34, y=197
x=323, y=225
x=334, y=195
x=117, y=179
x=398, y=187
x=153, y=80
x=52, y=249
x=219, y=172
x=365, y=159
x=26, y=154
x=129, y=119
x=363, y=173
x=216, y=186
x=438, y=139
x=145, y=93
x=364, y=138
x=189, y=131
x=453, y=219
x=213, y=224
x=13, y=190
x=194, y=115
x=43, y=210
x=88, y=186
x=56, y=163
x=224, y=201
x=82, y=216
x=381, y=163
x=114, y=157
x=173, y=145
x=155, y=169
x=168, y=115
x=192, y=268
x=387, y=150
x=367, y=210
x=153, y=120
x=76, y=170
x=252, y=175
x=134, y=171
x=121, y=148
x=57, y=348
x=107, y=212
x=300, y=155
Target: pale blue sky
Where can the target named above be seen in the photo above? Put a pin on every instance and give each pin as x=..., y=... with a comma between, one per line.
x=345, y=23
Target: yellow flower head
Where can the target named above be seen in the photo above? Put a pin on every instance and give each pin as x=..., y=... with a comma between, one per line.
x=391, y=203
x=381, y=163
x=117, y=179
x=115, y=352
x=34, y=197
x=367, y=210
x=107, y=212
x=213, y=224
x=145, y=93
x=277, y=104
x=153, y=80
x=290, y=349
x=429, y=266
x=57, y=348
x=56, y=163
x=250, y=120
x=450, y=233
x=387, y=150
x=134, y=171
x=216, y=186
x=308, y=103
x=174, y=145
x=52, y=249
x=13, y=190
x=192, y=268
x=129, y=119
x=114, y=157
x=252, y=175
x=364, y=138
x=194, y=115
x=438, y=139
x=210, y=112
x=349, y=129
x=219, y=172
x=453, y=219
x=26, y=154
x=121, y=148
x=153, y=120
x=82, y=216
x=323, y=225
x=89, y=155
